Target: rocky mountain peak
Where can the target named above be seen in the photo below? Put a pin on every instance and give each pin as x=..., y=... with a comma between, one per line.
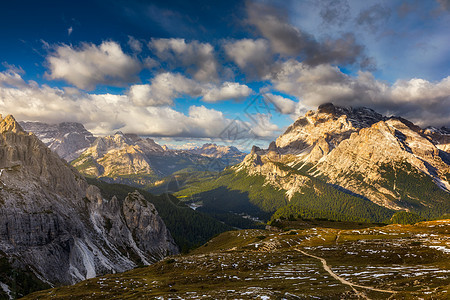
x=440, y=137
x=328, y=123
x=9, y=124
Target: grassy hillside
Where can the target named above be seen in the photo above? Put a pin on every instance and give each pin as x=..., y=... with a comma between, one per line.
x=239, y=192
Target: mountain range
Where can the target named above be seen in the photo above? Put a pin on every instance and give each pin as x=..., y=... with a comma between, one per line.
x=338, y=163
x=128, y=158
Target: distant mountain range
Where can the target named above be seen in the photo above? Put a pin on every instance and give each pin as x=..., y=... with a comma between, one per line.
x=338, y=163
x=128, y=158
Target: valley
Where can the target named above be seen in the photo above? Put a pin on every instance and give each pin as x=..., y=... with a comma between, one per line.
x=368, y=262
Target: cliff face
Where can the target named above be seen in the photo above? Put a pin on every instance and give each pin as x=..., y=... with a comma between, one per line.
x=53, y=223
x=389, y=161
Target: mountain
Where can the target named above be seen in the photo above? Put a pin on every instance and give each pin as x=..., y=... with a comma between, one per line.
x=130, y=159
x=365, y=153
x=57, y=229
x=67, y=139
x=230, y=153
x=339, y=163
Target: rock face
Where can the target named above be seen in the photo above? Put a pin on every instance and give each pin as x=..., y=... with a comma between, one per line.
x=67, y=139
x=53, y=223
x=389, y=161
x=318, y=132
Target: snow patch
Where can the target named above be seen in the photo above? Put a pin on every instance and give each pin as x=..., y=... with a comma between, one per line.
x=6, y=289
x=441, y=248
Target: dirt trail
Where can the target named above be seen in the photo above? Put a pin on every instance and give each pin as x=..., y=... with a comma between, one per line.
x=342, y=280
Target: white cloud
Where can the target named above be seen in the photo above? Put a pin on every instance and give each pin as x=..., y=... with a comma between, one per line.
x=134, y=44
x=252, y=56
x=263, y=127
x=165, y=87
x=69, y=30
x=198, y=58
x=105, y=113
x=90, y=65
x=283, y=105
x=226, y=91
x=11, y=77
x=419, y=100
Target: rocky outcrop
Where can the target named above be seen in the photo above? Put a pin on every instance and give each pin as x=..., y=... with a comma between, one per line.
x=67, y=139
x=53, y=223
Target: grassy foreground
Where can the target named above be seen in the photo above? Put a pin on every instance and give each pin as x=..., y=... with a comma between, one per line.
x=410, y=261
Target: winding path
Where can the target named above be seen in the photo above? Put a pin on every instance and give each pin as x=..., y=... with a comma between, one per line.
x=342, y=280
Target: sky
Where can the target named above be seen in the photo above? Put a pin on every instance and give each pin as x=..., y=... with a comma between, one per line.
x=230, y=72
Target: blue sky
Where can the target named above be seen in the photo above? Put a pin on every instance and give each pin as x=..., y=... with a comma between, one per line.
x=189, y=72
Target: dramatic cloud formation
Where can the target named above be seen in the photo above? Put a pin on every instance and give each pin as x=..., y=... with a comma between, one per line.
x=90, y=65
x=165, y=87
x=294, y=55
x=106, y=113
x=289, y=40
x=198, y=58
x=419, y=100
